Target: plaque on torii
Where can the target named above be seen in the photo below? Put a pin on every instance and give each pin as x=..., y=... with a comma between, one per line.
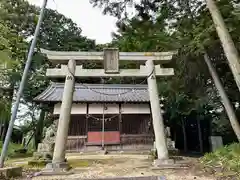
x=71, y=68
x=111, y=60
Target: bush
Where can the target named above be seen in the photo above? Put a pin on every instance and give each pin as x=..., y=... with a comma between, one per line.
x=16, y=150
x=22, y=150
x=227, y=159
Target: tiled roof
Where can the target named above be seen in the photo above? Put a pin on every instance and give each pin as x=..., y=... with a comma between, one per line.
x=97, y=93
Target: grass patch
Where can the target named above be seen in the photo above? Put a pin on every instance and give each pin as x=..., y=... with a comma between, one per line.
x=16, y=155
x=89, y=162
x=80, y=163
x=11, y=147
x=225, y=160
x=74, y=163
x=13, y=151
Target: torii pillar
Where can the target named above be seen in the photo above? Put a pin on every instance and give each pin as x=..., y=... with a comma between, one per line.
x=157, y=118
x=59, y=161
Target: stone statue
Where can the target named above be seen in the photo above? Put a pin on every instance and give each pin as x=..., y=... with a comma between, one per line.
x=45, y=149
x=170, y=143
x=50, y=133
x=167, y=132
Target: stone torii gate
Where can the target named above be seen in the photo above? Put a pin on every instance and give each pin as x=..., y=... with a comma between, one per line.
x=71, y=68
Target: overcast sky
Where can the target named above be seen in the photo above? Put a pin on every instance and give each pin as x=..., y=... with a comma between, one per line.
x=93, y=23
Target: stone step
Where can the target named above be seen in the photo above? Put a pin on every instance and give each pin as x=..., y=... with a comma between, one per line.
x=133, y=178
x=110, y=152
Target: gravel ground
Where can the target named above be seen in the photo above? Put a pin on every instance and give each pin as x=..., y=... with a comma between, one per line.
x=123, y=166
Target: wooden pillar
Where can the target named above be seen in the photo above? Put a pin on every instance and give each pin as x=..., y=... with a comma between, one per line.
x=120, y=123
x=87, y=112
x=103, y=126
x=120, y=119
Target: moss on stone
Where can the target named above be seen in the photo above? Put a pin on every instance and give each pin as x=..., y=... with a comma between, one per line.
x=38, y=163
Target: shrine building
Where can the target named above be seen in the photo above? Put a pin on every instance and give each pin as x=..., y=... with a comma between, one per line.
x=113, y=116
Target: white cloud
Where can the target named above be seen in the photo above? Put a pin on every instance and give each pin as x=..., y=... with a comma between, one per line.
x=93, y=23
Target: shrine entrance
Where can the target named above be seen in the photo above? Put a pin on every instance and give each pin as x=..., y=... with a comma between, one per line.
x=103, y=130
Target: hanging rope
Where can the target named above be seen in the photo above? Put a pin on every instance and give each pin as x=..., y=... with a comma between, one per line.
x=114, y=94
x=106, y=119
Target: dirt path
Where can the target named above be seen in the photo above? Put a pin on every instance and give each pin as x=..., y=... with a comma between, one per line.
x=99, y=166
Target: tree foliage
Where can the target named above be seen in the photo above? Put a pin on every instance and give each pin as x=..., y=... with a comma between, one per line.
x=186, y=25
x=57, y=32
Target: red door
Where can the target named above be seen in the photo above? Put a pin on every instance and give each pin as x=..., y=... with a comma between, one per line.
x=110, y=137
x=107, y=133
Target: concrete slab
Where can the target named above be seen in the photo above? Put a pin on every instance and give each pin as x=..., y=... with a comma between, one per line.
x=54, y=172
x=160, y=162
x=169, y=164
x=10, y=172
x=175, y=166
x=62, y=165
x=56, y=169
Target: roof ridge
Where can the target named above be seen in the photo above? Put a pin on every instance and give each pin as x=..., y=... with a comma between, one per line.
x=46, y=91
x=54, y=93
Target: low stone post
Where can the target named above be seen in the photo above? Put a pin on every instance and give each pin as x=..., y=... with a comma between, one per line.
x=157, y=118
x=64, y=119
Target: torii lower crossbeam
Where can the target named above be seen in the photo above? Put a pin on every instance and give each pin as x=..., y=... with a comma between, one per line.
x=80, y=72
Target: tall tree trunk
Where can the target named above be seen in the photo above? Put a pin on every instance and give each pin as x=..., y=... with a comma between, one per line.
x=6, y=119
x=226, y=103
x=28, y=141
x=175, y=136
x=2, y=134
x=5, y=128
x=226, y=39
x=39, y=128
x=184, y=136
x=5, y=122
x=1, y=124
x=200, y=135
x=4, y=131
